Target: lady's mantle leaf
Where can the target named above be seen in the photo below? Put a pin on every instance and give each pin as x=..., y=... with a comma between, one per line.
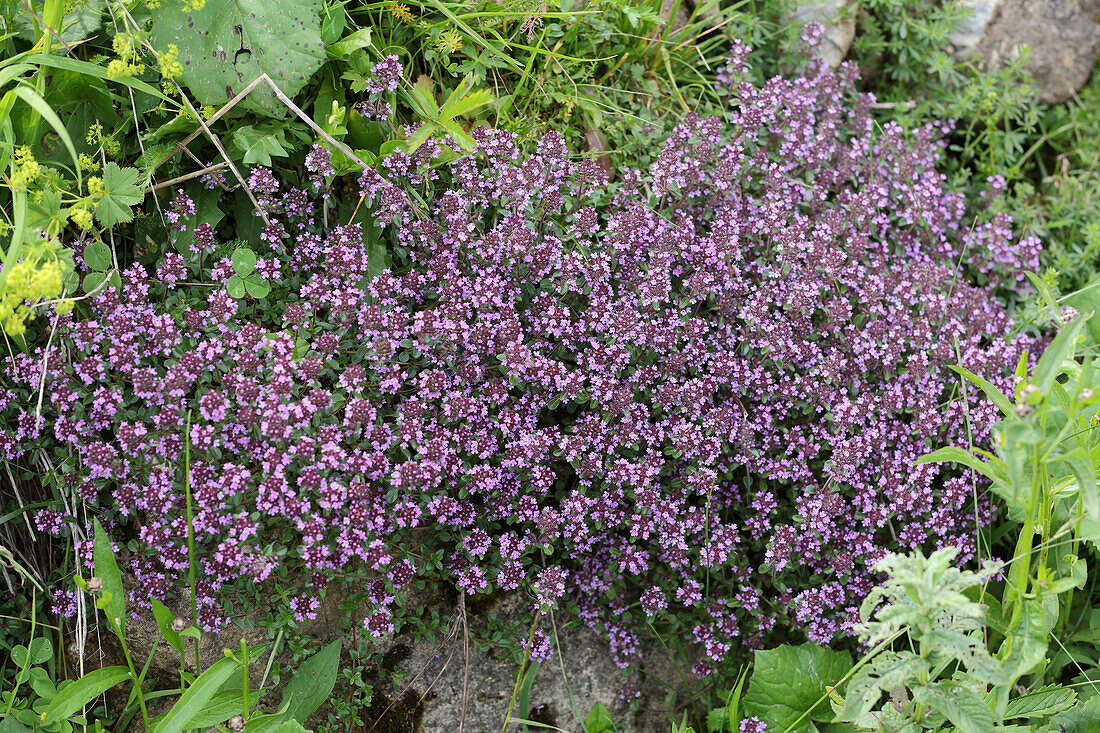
x=229, y=43
x=121, y=191
x=790, y=680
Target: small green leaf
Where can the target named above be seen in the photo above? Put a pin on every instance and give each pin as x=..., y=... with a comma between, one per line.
x=598, y=720
x=256, y=286
x=235, y=286
x=258, y=146
x=83, y=691
x=992, y=392
x=39, y=651
x=121, y=190
x=313, y=682
x=349, y=44
x=244, y=261
x=97, y=256
x=106, y=569
x=164, y=619
x=958, y=455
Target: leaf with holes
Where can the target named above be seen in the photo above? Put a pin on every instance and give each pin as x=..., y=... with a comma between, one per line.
x=228, y=43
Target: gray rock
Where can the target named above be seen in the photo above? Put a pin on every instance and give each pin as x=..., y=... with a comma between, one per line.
x=1063, y=37
x=447, y=685
x=837, y=17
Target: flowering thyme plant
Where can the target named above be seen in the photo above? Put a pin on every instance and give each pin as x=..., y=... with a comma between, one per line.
x=691, y=397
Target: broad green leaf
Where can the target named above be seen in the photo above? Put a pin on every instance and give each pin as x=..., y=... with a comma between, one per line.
x=235, y=286
x=259, y=146
x=243, y=260
x=349, y=44
x=93, y=280
x=81, y=20
x=256, y=286
x=1061, y=348
x=228, y=43
x=789, y=681
x=11, y=725
x=598, y=720
x=83, y=691
x=106, y=569
x=121, y=191
x=97, y=256
x=966, y=711
x=192, y=702
x=1041, y=703
x=998, y=397
x=164, y=619
x=312, y=682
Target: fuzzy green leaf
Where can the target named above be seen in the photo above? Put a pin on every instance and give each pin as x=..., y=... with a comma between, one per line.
x=789, y=681
x=966, y=711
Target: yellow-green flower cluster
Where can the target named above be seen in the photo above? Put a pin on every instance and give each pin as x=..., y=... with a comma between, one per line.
x=95, y=136
x=170, y=67
x=128, y=48
x=39, y=276
x=27, y=169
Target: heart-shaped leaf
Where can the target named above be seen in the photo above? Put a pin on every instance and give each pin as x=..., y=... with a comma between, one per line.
x=97, y=256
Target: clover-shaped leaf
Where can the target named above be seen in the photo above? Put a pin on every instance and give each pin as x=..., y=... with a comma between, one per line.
x=244, y=261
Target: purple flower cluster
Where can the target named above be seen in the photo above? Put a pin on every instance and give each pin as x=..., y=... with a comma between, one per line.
x=691, y=397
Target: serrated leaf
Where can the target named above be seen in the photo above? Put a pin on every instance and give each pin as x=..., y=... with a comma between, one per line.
x=1041, y=703
x=121, y=191
x=312, y=682
x=259, y=146
x=97, y=256
x=228, y=43
x=966, y=711
x=789, y=681
x=462, y=101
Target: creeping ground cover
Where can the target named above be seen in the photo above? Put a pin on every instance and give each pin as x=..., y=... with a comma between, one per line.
x=693, y=395
x=589, y=366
